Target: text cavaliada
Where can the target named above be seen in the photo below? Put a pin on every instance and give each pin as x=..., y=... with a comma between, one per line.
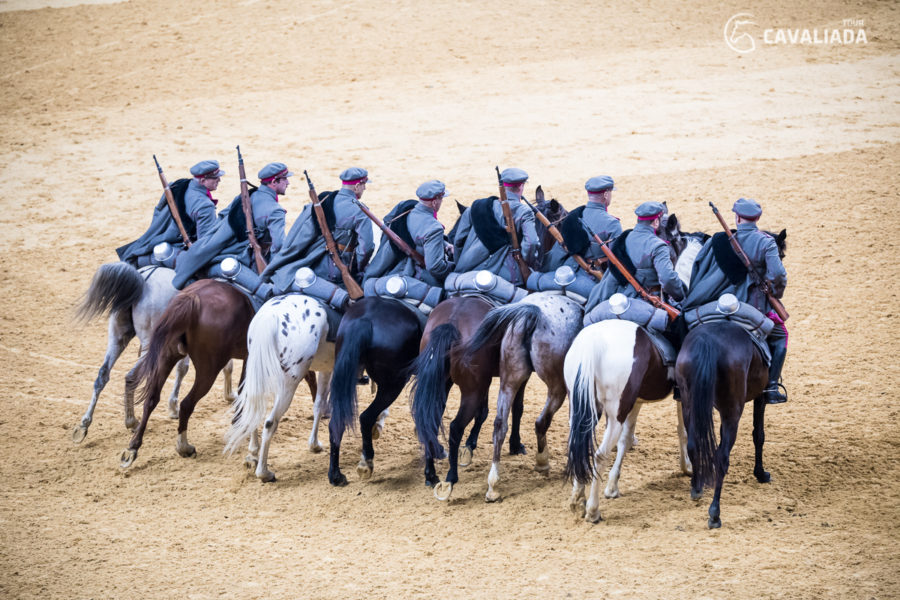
x=815, y=36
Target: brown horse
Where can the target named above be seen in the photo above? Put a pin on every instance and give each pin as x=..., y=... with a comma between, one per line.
x=206, y=321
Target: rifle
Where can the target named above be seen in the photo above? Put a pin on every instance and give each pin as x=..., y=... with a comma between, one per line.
x=657, y=302
x=398, y=241
x=559, y=238
x=352, y=287
x=511, y=230
x=170, y=200
x=758, y=281
x=248, y=215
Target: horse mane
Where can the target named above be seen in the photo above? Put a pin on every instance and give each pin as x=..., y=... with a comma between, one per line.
x=491, y=233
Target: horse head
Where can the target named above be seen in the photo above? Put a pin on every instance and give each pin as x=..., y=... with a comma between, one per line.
x=555, y=213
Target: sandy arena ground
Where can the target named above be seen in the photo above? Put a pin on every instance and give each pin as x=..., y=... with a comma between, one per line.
x=646, y=92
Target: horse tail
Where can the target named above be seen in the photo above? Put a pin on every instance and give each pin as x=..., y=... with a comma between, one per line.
x=580, y=369
x=263, y=378
x=116, y=286
x=525, y=317
x=356, y=339
x=429, y=393
x=164, y=351
x=703, y=358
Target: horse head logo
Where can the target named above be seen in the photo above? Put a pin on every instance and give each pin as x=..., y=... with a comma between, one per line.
x=736, y=36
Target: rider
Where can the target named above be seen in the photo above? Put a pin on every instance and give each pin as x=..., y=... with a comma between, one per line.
x=470, y=251
x=305, y=245
x=709, y=281
x=427, y=234
x=226, y=240
x=595, y=214
x=649, y=255
x=200, y=209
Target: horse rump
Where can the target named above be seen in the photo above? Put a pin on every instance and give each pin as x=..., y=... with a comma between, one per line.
x=498, y=320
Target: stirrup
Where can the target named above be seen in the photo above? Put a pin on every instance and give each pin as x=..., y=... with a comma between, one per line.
x=773, y=395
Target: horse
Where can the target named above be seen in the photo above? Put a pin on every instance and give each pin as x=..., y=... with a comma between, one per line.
x=534, y=336
x=286, y=341
x=134, y=299
x=206, y=321
x=612, y=367
x=719, y=366
x=382, y=336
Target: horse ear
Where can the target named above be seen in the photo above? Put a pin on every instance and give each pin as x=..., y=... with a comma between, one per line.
x=781, y=236
x=539, y=194
x=672, y=224
x=665, y=206
x=554, y=205
x=461, y=207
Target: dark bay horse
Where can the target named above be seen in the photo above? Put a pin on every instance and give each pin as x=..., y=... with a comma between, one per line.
x=206, y=321
x=380, y=335
x=135, y=300
x=720, y=367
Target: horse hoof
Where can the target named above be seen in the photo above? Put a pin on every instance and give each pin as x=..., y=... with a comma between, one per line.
x=128, y=457
x=315, y=448
x=186, y=451
x=173, y=414
x=714, y=523
x=131, y=424
x=542, y=462
x=611, y=493
x=230, y=398
x=251, y=462
x=696, y=494
x=339, y=481
x=763, y=476
x=465, y=456
x=492, y=496
x=518, y=450
x=432, y=481
x=364, y=469
x=443, y=490
x=577, y=508
x=376, y=432
x=79, y=433
x=267, y=477
x=593, y=516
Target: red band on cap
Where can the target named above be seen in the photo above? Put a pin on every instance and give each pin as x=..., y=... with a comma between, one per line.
x=649, y=218
x=273, y=177
x=355, y=181
x=209, y=174
x=505, y=184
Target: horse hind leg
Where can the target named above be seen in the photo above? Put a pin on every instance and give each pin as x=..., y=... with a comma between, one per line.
x=684, y=459
x=119, y=333
x=508, y=396
x=612, y=434
x=556, y=395
x=378, y=429
x=321, y=408
x=384, y=397
x=203, y=382
x=728, y=433
x=759, y=438
x=624, y=443
x=282, y=403
x=227, y=378
x=468, y=452
x=181, y=370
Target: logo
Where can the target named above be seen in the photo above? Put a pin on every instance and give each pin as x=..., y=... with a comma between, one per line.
x=737, y=35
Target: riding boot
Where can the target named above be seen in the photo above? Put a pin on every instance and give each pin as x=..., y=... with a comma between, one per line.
x=773, y=395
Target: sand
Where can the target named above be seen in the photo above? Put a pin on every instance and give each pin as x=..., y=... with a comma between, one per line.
x=648, y=93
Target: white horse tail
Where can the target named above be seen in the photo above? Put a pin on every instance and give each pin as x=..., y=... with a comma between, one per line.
x=115, y=286
x=596, y=369
x=263, y=377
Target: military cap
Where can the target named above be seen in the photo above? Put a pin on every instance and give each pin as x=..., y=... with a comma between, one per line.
x=272, y=171
x=747, y=208
x=513, y=176
x=598, y=184
x=354, y=175
x=431, y=189
x=207, y=168
x=649, y=211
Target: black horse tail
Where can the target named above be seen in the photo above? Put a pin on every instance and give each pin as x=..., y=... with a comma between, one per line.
x=429, y=393
x=356, y=339
x=524, y=317
x=582, y=422
x=167, y=344
x=702, y=437
x=116, y=286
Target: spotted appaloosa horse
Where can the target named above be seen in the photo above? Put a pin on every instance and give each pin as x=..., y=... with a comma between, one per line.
x=135, y=300
x=206, y=321
x=533, y=336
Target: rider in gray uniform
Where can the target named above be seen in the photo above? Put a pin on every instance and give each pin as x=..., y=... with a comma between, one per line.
x=651, y=258
x=305, y=246
x=268, y=215
x=472, y=255
x=709, y=281
x=200, y=208
x=426, y=232
x=599, y=192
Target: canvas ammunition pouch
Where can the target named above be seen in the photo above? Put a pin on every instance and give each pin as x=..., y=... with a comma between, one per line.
x=576, y=286
x=494, y=288
x=164, y=255
x=307, y=283
x=414, y=292
x=232, y=271
x=638, y=311
x=745, y=315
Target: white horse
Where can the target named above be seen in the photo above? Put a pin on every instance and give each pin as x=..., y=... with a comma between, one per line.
x=134, y=299
x=286, y=339
x=611, y=368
